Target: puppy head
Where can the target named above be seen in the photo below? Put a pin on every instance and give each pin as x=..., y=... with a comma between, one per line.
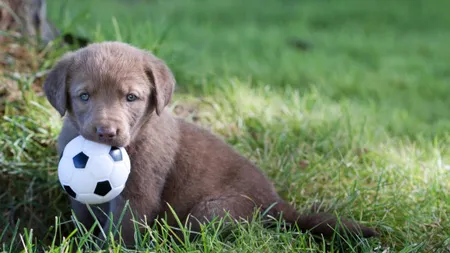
x=109, y=90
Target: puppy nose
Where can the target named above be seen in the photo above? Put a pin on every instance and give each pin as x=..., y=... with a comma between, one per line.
x=106, y=132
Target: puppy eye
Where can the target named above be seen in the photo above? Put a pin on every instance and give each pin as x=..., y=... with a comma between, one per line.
x=131, y=97
x=84, y=96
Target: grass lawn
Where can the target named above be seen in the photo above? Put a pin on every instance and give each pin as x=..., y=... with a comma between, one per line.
x=344, y=104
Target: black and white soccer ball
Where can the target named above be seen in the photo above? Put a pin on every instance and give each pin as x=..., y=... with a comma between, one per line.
x=91, y=172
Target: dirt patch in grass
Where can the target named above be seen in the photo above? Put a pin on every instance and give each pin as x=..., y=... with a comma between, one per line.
x=20, y=64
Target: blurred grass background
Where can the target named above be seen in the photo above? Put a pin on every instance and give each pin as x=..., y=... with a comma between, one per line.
x=344, y=103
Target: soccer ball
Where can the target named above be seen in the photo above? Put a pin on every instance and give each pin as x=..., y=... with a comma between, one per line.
x=93, y=173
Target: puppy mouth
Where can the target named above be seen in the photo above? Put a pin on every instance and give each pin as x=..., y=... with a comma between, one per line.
x=118, y=141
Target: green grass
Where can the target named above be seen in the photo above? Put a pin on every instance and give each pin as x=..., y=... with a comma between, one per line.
x=359, y=122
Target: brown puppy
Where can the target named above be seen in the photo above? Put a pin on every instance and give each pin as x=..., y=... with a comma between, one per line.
x=116, y=94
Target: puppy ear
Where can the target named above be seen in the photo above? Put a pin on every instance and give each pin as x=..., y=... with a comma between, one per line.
x=162, y=80
x=55, y=85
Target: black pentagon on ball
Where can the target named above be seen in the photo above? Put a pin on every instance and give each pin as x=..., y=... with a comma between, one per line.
x=70, y=191
x=102, y=188
x=80, y=160
x=115, y=154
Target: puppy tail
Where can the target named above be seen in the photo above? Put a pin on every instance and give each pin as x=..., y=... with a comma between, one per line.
x=323, y=224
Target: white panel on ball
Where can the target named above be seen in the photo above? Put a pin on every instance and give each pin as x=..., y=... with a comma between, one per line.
x=119, y=175
x=65, y=171
x=74, y=146
x=126, y=158
x=94, y=148
x=90, y=199
x=82, y=182
x=100, y=166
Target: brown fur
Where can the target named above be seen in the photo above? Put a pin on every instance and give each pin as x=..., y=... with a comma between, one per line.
x=173, y=162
